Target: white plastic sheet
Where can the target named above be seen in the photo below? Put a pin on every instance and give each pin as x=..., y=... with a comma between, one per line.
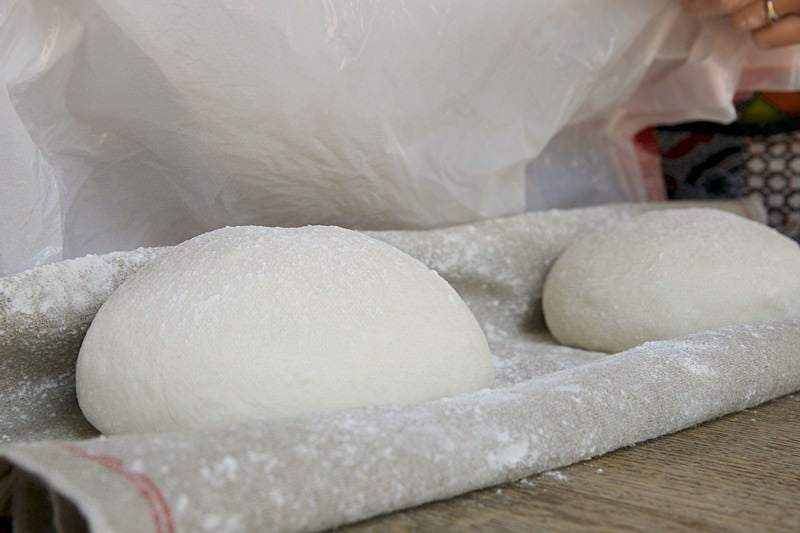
x=145, y=123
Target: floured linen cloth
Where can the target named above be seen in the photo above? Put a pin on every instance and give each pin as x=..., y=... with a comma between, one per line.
x=551, y=405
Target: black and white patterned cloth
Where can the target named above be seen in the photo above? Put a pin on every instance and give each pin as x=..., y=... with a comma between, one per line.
x=704, y=160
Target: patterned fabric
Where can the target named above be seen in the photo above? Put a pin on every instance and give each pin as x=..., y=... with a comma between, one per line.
x=704, y=160
x=772, y=171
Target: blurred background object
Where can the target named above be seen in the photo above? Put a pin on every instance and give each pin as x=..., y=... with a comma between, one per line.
x=757, y=155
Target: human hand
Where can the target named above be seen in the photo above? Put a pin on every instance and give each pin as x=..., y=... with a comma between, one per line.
x=773, y=23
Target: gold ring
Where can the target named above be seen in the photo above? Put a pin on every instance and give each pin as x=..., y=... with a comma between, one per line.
x=772, y=13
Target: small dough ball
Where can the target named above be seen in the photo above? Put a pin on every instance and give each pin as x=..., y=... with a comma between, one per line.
x=665, y=274
x=251, y=322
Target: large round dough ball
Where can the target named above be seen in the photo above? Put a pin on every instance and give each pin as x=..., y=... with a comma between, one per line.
x=258, y=323
x=665, y=274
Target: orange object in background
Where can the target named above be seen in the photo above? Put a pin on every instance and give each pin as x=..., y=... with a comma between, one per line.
x=788, y=102
x=763, y=107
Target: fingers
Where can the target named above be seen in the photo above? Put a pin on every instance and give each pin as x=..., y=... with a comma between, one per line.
x=751, y=15
x=754, y=15
x=785, y=32
x=707, y=8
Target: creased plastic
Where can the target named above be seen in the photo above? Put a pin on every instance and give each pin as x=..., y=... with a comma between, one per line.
x=143, y=123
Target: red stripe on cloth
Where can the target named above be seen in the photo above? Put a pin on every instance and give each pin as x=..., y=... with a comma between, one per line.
x=160, y=512
x=686, y=145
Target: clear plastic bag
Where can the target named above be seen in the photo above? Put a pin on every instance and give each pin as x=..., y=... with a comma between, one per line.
x=145, y=123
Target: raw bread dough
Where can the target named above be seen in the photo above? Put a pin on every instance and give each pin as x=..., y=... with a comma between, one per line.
x=258, y=323
x=666, y=274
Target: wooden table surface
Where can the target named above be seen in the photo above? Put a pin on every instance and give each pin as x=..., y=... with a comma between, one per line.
x=738, y=473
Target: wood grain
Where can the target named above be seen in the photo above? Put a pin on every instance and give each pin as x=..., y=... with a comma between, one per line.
x=738, y=473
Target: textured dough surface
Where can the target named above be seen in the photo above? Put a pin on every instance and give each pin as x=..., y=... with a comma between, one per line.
x=258, y=323
x=666, y=274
